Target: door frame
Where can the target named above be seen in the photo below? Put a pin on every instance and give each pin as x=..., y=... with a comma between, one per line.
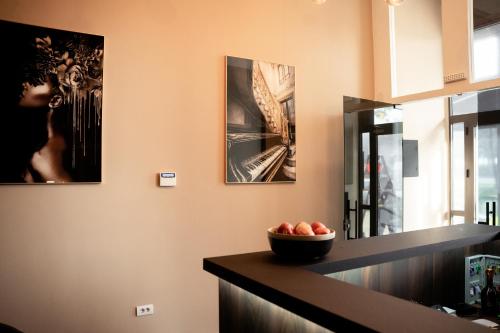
x=470, y=128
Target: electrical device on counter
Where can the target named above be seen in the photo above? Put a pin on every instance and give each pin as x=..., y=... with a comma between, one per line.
x=475, y=276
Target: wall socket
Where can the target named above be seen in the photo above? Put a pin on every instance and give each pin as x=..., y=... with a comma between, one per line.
x=144, y=310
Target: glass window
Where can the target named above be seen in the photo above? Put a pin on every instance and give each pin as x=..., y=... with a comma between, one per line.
x=487, y=168
x=457, y=167
x=486, y=40
x=457, y=220
x=465, y=103
x=387, y=116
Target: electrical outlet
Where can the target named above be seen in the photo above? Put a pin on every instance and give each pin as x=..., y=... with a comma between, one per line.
x=144, y=310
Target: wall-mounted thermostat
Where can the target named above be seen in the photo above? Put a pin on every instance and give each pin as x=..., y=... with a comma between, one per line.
x=168, y=179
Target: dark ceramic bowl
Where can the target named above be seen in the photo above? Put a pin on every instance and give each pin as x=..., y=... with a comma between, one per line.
x=300, y=247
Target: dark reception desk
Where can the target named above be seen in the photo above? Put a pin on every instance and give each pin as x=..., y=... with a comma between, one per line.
x=403, y=275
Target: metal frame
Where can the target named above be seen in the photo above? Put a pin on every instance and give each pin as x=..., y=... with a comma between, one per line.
x=470, y=123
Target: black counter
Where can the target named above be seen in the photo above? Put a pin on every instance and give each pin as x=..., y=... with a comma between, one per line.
x=301, y=287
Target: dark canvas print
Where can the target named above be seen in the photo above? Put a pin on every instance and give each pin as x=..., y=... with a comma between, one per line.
x=260, y=122
x=50, y=105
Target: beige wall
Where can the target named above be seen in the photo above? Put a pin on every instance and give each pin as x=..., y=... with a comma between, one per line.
x=381, y=51
x=78, y=258
x=417, y=55
x=426, y=197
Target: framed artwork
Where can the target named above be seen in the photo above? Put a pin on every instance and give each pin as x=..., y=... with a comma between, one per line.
x=260, y=122
x=51, y=105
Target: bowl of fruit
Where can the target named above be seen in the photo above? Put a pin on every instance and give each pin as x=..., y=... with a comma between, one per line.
x=304, y=241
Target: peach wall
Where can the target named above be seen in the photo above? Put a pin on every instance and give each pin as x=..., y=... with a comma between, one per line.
x=417, y=55
x=381, y=51
x=79, y=258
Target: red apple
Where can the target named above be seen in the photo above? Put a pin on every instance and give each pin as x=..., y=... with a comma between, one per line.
x=304, y=229
x=285, y=228
x=321, y=231
x=317, y=224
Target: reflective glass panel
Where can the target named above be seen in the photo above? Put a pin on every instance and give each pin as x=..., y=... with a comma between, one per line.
x=387, y=116
x=390, y=180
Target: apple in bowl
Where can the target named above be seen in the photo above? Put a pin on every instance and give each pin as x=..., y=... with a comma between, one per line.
x=304, y=229
x=285, y=228
x=304, y=241
x=319, y=228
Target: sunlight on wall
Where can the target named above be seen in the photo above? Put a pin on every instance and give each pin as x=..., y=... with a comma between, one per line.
x=427, y=122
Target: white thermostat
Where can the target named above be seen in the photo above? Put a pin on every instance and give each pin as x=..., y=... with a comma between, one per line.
x=168, y=179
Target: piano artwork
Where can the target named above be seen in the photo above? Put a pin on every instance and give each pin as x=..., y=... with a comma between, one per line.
x=260, y=122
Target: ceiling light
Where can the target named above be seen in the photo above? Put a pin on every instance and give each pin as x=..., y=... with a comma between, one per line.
x=394, y=2
x=319, y=2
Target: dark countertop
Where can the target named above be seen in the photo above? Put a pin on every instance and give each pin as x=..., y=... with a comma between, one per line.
x=301, y=288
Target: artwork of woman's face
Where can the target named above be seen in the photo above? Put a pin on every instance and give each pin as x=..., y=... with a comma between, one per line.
x=51, y=104
x=35, y=96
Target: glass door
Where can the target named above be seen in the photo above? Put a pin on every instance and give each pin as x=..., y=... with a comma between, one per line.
x=488, y=173
x=487, y=157
x=367, y=212
x=474, y=157
x=382, y=173
x=373, y=166
x=390, y=181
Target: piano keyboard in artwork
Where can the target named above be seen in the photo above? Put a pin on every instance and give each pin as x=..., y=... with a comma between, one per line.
x=234, y=138
x=263, y=166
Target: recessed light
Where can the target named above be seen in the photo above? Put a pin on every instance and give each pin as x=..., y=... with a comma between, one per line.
x=394, y=2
